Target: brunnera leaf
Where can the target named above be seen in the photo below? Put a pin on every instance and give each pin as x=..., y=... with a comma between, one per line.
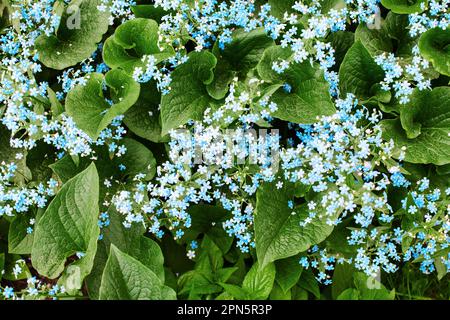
x=82, y=26
x=309, y=96
x=188, y=97
x=278, y=234
x=125, y=278
x=259, y=281
x=405, y=6
x=434, y=45
x=131, y=42
x=423, y=127
x=88, y=107
x=68, y=226
x=359, y=74
x=130, y=241
x=143, y=118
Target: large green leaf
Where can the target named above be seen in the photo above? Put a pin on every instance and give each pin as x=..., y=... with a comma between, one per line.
x=68, y=226
x=246, y=49
x=130, y=241
x=341, y=41
x=376, y=41
x=434, y=45
x=125, y=278
x=131, y=42
x=288, y=272
x=19, y=240
x=258, y=282
x=371, y=289
x=188, y=98
x=87, y=106
x=397, y=28
x=404, y=6
x=309, y=97
x=279, y=7
x=278, y=234
x=143, y=118
x=423, y=127
x=80, y=29
x=359, y=74
x=149, y=11
x=137, y=159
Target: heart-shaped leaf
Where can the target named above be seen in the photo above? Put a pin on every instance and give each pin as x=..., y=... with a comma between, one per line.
x=87, y=105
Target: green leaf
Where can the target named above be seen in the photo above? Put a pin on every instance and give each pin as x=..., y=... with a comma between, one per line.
x=188, y=97
x=299, y=293
x=376, y=41
x=210, y=259
x=86, y=104
x=341, y=41
x=235, y=291
x=204, y=219
x=81, y=28
x=310, y=95
x=441, y=268
x=65, y=168
x=55, y=106
x=246, y=49
x=11, y=260
x=132, y=41
x=427, y=123
x=279, y=7
x=137, y=159
x=397, y=28
x=259, y=281
x=38, y=160
x=405, y=6
x=143, y=118
x=4, y=17
x=434, y=46
x=130, y=241
x=371, y=289
x=288, y=272
x=279, y=294
x=277, y=231
x=359, y=72
x=223, y=75
x=68, y=226
x=19, y=241
x=309, y=283
x=349, y=294
x=125, y=278
x=342, y=279
x=149, y=11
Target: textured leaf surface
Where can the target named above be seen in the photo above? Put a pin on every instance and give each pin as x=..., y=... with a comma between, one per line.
x=278, y=234
x=69, y=225
x=434, y=45
x=88, y=107
x=188, y=97
x=125, y=278
x=309, y=97
x=258, y=282
x=81, y=28
x=359, y=72
x=427, y=123
x=404, y=6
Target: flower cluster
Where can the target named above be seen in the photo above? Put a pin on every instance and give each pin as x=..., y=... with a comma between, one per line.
x=15, y=200
x=397, y=76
